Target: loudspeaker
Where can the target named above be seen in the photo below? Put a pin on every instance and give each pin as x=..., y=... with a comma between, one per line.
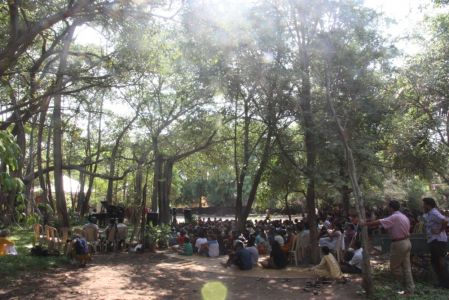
x=153, y=217
x=188, y=215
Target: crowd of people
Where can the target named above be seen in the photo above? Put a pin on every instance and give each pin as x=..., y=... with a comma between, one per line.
x=339, y=240
x=276, y=239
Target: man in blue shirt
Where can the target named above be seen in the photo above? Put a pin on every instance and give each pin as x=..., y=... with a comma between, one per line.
x=241, y=257
x=436, y=225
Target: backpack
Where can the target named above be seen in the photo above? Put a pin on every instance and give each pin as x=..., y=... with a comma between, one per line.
x=81, y=247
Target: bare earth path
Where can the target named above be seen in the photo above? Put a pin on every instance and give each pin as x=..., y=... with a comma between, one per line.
x=160, y=276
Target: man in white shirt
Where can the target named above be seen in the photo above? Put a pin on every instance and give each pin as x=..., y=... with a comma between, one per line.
x=213, y=247
x=355, y=264
x=200, y=244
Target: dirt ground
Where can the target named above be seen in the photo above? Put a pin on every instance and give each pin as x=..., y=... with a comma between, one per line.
x=168, y=276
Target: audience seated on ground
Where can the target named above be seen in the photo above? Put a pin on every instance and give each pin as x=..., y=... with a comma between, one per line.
x=278, y=259
x=253, y=251
x=181, y=238
x=213, y=249
x=328, y=267
x=201, y=244
x=353, y=260
x=241, y=258
x=330, y=241
x=186, y=249
x=279, y=238
x=262, y=242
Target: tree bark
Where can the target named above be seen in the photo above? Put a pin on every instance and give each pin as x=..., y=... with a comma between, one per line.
x=57, y=133
x=310, y=143
x=113, y=158
x=40, y=134
x=85, y=208
x=360, y=203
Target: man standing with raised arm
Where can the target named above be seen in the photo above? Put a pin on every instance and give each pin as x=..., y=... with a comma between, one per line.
x=398, y=226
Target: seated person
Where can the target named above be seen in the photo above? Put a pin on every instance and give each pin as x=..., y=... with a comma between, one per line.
x=288, y=245
x=201, y=244
x=213, y=249
x=79, y=250
x=304, y=242
x=279, y=238
x=181, y=238
x=349, y=235
x=354, y=265
x=241, y=257
x=331, y=240
x=278, y=259
x=328, y=267
x=262, y=242
x=6, y=245
x=251, y=247
x=186, y=249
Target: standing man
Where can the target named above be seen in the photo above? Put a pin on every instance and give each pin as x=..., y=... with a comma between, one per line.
x=436, y=225
x=398, y=226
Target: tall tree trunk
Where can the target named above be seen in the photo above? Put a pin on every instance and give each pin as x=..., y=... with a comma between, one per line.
x=85, y=208
x=360, y=203
x=140, y=199
x=165, y=191
x=157, y=170
x=310, y=143
x=47, y=165
x=29, y=188
x=257, y=177
x=114, y=154
x=61, y=205
x=40, y=134
x=287, y=206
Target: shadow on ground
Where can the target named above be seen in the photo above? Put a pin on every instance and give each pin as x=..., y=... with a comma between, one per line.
x=160, y=276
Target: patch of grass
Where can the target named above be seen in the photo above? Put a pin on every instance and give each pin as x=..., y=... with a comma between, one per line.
x=387, y=287
x=12, y=266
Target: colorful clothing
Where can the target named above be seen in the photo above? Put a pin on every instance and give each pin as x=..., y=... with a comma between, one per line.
x=187, y=249
x=328, y=267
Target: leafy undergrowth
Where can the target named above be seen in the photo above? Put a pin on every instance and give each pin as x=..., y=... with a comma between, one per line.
x=12, y=266
x=387, y=287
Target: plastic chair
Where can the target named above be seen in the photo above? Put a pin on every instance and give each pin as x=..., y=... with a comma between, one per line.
x=39, y=235
x=110, y=238
x=64, y=231
x=52, y=237
x=294, y=249
x=91, y=236
x=78, y=231
x=339, y=247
